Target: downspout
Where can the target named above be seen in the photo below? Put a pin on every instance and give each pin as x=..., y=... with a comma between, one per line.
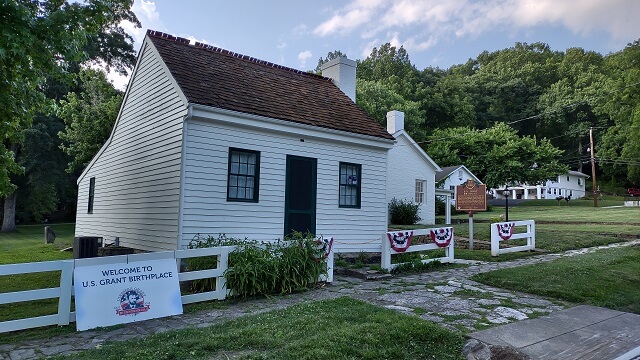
x=185, y=129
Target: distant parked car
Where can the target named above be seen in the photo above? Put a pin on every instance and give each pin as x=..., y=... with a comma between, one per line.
x=633, y=191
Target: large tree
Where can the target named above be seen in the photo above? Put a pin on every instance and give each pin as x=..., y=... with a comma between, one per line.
x=497, y=155
x=88, y=115
x=619, y=150
x=41, y=43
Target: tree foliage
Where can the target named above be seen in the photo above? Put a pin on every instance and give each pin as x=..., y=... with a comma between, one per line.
x=540, y=93
x=43, y=45
x=88, y=116
x=498, y=155
x=39, y=42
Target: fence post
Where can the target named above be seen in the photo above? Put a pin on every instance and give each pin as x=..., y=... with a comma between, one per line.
x=221, y=280
x=385, y=255
x=66, y=284
x=451, y=247
x=495, y=240
x=330, y=267
x=532, y=230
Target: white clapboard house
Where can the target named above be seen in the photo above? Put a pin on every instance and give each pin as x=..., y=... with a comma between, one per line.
x=569, y=185
x=452, y=176
x=411, y=173
x=212, y=142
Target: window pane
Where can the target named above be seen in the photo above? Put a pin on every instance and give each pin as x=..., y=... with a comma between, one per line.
x=242, y=181
x=234, y=168
x=233, y=192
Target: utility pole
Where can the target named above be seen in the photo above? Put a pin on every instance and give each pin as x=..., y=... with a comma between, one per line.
x=593, y=170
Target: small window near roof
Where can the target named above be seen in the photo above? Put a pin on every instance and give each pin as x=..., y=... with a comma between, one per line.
x=579, y=181
x=92, y=189
x=243, y=175
x=349, y=185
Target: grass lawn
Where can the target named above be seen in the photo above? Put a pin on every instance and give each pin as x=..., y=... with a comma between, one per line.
x=562, y=212
x=558, y=228
x=335, y=329
x=27, y=245
x=609, y=278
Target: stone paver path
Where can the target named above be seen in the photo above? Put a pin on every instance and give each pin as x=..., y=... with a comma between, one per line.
x=446, y=297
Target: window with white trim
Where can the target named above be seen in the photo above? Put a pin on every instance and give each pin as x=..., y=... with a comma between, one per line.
x=453, y=192
x=243, y=176
x=349, y=191
x=420, y=185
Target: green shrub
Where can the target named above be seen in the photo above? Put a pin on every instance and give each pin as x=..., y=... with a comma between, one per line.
x=415, y=266
x=403, y=212
x=261, y=268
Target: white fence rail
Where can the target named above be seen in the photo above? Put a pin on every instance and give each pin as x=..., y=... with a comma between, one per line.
x=64, y=292
x=407, y=235
x=504, y=231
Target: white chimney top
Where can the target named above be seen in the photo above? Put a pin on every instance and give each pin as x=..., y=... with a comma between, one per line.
x=395, y=121
x=343, y=73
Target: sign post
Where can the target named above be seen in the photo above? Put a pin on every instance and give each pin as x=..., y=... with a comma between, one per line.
x=471, y=198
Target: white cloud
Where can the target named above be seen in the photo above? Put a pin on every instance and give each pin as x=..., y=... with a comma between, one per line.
x=423, y=23
x=300, y=30
x=149, y=19
x=303, y=57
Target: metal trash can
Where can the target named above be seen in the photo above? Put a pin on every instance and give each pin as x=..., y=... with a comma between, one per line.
x=86, y=246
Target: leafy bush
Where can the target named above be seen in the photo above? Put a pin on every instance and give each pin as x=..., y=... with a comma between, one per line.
x=260, y=268
x=403, y=212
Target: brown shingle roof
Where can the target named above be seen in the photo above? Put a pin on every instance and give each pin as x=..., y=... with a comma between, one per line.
x=223, y=79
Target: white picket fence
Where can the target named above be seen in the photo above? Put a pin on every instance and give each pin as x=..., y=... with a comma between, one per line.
x=387, y=250
x=496, y=239
x=64, y=292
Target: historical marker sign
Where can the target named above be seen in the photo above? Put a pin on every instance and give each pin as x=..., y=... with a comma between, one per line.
x=471, y=197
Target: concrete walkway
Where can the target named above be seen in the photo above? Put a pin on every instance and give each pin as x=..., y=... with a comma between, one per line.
x=581, y=332
x=446, y=297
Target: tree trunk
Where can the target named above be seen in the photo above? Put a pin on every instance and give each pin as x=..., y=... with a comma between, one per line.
x=9, y=218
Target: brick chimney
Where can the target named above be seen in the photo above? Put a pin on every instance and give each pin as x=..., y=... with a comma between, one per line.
x=343, y=73
x=395, y=121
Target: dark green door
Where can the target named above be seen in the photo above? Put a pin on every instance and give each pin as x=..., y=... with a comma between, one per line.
x=300, y=195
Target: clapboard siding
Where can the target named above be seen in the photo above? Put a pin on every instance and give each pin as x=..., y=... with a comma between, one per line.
x=405, y=167
x=138, y=173
x=205, y=210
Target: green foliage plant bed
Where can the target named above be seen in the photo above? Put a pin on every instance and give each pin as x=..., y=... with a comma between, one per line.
x=606, y=278
x=263, y=268
x=343, y=328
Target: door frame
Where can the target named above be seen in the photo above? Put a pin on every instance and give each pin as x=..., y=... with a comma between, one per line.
x=314, y=191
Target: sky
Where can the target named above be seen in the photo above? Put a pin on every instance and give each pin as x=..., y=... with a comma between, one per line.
x=436, y=33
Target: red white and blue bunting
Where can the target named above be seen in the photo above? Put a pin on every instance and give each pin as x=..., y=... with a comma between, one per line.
x=325, y=245
x=400, y=240
x=442, y=237
x=505, y=230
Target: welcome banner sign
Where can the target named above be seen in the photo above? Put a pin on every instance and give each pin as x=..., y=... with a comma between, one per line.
x=113, y=294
